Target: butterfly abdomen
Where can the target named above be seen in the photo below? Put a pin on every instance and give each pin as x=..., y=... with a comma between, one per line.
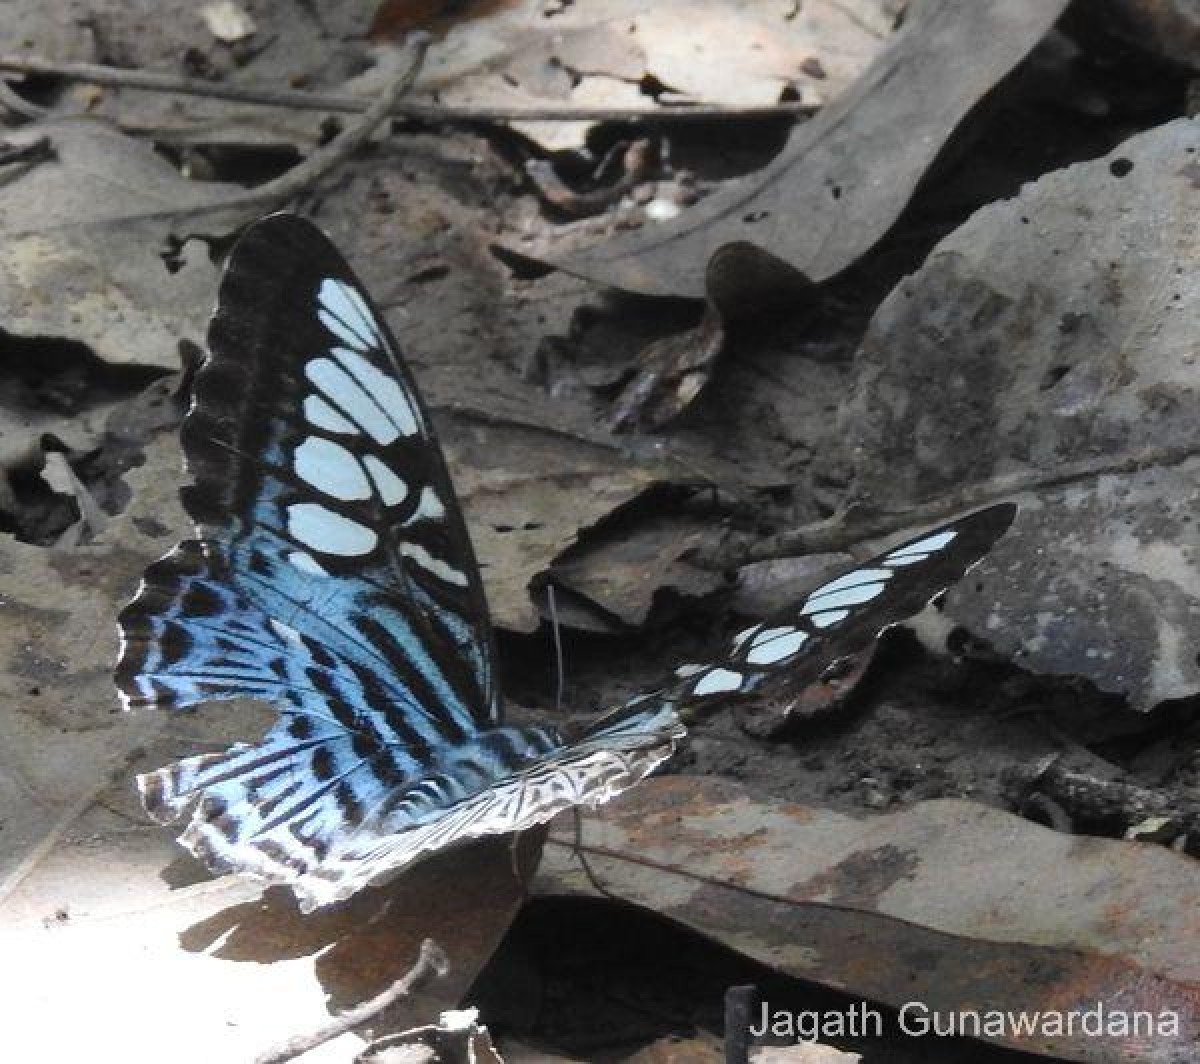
x=465, y=770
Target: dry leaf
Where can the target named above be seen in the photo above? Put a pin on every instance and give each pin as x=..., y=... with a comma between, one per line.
x=228, y=22
x=950, y=904
x=600, y=54
x=87, y=250
x=844, y=176
x=1050, y=344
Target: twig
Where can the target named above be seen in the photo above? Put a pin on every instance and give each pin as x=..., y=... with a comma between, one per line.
x=1055, y=815
x=579, y=851
x=431, y=963
x=639, y=158
x=18, y=105
x=326, y=159
x=1091, y=801
x=560, y=673
x=118, y=77
x=345, y=144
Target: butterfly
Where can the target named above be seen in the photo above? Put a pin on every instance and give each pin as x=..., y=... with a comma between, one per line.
x=332, y=576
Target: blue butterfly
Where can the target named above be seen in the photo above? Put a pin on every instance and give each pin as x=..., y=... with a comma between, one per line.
x=332, y=576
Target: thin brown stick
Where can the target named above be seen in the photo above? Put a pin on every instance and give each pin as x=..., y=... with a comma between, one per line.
x=324, y=160
x=12, y=101
x=431, y=963
x=297, y=100
x=1088, y=800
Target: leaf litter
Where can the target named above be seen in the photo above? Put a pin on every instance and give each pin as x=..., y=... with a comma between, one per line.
x=843, y=177
x=786, y=433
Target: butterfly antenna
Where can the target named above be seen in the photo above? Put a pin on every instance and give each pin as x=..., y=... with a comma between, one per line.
x=514, y=853
x=560, y=680
x=581, y=854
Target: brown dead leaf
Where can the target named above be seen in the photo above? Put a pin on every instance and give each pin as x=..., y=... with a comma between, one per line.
x=623, y=571
x=702, y=1048
x=845, y=175
x=674, y=370
x=950, y=904
x=527, y=492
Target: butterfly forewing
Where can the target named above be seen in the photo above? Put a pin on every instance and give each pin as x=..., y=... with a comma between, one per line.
x=317, y=476
x=846, y=614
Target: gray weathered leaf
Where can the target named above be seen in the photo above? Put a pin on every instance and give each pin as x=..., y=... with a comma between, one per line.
x=1049, y=344
x=598, y=55
x=85, y=243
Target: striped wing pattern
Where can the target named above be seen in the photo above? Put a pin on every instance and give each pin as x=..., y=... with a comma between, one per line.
x=332, y=576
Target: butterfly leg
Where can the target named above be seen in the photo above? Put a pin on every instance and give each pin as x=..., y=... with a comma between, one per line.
x=514, y=853
x=581, y=854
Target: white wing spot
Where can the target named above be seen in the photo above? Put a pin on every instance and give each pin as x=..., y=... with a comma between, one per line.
x=323, y=416
x=927, y=545
x=344, y=313
x=847, y=596
x=743, y=635
x=390, y=487
x=433, y=565
x=331, y=469
x=385, y=391
x=904, y=559
x=306, y=563
x=340, y=387
x=429, y=508
x=327, y=532
x=717, y=682
x=854, y=579
x=828, y=617
x=775, y=644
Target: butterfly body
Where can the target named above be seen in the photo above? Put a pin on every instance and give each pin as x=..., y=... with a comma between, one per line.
x=331, y=575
